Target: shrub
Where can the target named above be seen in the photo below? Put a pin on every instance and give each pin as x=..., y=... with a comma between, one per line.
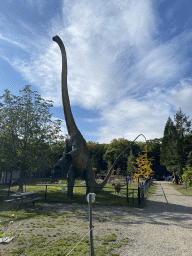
x=187, y=176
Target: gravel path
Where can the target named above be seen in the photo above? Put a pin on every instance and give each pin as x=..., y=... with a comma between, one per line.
x=164, y=227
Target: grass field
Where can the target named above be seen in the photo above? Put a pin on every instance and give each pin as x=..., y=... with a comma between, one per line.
x=107, y=196
x=151, y=190
x=186, y=191
x=53, y=228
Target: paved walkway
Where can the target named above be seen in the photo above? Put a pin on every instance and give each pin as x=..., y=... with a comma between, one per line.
x=165, y=225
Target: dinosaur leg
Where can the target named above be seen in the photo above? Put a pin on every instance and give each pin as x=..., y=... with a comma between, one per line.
x=70, y=181
x=89, y=177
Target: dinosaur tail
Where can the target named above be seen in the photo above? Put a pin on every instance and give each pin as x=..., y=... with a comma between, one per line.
x=100, y=186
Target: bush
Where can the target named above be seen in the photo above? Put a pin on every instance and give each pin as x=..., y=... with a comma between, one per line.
x=187, y=176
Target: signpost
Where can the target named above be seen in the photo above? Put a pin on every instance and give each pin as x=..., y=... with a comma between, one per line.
x=91, y=199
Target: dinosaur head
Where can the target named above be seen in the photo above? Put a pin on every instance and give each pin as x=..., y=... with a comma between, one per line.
x=56, y=39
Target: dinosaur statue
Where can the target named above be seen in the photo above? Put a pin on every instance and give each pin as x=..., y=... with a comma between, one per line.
x=76, y=151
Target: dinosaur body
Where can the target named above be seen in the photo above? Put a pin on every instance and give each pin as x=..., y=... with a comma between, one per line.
x=76, y=150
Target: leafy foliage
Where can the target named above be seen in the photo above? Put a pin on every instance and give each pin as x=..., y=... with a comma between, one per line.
x=189, y=159
x=114, y=149
x=154, y=148
x=130, y=166
x=96, y=153
x=27, y=132
x=187, y=176
x=176, y=144
x=142, y=167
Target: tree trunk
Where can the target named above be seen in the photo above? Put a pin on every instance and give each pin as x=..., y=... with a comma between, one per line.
x=176, y=179
x=21, y=181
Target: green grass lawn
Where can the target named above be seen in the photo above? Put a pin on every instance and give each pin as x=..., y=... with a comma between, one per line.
x=106, y=197
x=186, y=191
x=151, y=190
x=40, y=230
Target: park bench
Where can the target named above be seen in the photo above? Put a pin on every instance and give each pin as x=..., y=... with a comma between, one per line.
x=9, y=200
x=25, y=201
x=1, y=196
x=23, y=198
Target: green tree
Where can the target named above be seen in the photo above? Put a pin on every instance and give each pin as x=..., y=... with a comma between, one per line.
x=142, y=166
x=154, y=147
x=183, y=127
x=113, y=150
x=130, y=165
x=169, y=151
x=189, y=160
x=176, y=144
x=29, y=131
x=187, y=149
x=9, y=138
x=56, y=152
x=97, y=151
x=170, y=135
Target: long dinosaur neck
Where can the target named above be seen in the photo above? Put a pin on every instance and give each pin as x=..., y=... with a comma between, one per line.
x=71, y=125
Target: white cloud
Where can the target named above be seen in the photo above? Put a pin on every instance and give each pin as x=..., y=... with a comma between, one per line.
x=116, y=65
x=132, y=117
x=140, y=22
x=180, y=96
x=96, y=36
x=149, y=116
x=22, y=46
x=160, y=63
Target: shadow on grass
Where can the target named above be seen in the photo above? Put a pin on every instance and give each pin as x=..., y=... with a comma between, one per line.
x=105, y=197
x=56, y=195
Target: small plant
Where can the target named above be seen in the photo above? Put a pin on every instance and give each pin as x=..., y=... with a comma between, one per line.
x=109, y=238
x=2, y=235
x=117, y=185
x=21, y=240
x=6, y=235
x=187, y=176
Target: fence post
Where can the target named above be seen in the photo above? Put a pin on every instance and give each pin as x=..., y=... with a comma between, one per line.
x=139, y=198
x=143, y=197
x=91, y=197
x=139, y=201
x=46, y=193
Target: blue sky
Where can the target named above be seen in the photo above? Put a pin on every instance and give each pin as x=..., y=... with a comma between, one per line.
x=129, y=62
